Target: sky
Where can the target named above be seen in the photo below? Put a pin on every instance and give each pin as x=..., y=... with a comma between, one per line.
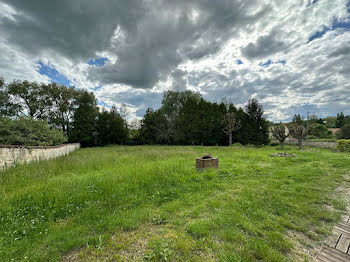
x=293, y=56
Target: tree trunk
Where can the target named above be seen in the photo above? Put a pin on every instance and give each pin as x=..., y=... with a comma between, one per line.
x=282, y=144
x=300, y=143
x=230, y=139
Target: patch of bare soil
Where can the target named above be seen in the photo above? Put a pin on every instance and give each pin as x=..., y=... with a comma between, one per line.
x=307, y=248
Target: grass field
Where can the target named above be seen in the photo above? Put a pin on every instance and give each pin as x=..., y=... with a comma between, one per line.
x=149, y=203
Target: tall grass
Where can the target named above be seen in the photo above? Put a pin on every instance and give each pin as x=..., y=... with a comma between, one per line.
x=239, y=212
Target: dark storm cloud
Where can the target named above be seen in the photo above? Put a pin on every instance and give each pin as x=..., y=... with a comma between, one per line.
x=76, y=29
x=264, y=46
x=158, y=34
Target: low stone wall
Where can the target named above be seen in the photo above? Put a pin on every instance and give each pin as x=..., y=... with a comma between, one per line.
x=322, y=144
x=11, y=155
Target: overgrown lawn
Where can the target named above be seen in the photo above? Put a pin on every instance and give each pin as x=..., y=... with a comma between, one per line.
x=150, y=203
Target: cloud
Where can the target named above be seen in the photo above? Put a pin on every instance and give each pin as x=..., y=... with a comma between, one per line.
x=264, y=46
x=130, y=51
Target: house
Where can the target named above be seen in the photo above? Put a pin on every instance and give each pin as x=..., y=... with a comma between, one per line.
x=334, y=130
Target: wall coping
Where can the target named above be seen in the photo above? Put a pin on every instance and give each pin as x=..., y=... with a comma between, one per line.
x=37, y=147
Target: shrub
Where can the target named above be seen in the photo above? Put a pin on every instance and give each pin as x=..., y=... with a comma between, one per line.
x=29, y=132
x=344, y=132
x=343, y=145
x=319, y=131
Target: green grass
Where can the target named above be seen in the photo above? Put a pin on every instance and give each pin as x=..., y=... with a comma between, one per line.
x=322, y=140
x=150, y=203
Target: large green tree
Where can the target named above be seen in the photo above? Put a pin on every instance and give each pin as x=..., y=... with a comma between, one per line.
x=84, y=120
x=111, y=128
x=62, y=102
x=258, y=126
x=30, y=98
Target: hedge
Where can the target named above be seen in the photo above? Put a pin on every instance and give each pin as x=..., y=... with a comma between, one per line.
x=29, y=132
x=343, y=145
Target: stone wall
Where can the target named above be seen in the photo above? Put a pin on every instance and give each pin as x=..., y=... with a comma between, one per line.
x=11, y=155
x=322, y=144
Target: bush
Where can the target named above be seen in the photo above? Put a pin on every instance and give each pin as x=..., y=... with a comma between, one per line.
x=344, y=132
x=29, y=132
x=343, y=145
x=319, y=131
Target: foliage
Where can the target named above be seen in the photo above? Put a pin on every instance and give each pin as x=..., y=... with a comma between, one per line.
x=7, y=107
x=257, y=126
x=340, y=120
x=99, y=203
x=30, y=97
x=29, y=132
x=344, y=132
x=343, y=145
x=330, y=121
x=280, y=132
x=319, y=131
x=61, y=102
x=85, y=118
x=159, y=251
x=188, y=119
x=297, y=119
x=111, y=128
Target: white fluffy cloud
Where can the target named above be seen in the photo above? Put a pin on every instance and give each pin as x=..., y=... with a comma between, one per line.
x=292, y=55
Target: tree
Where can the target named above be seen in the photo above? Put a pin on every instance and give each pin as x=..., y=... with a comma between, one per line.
x=111, y=128
x=320, y=121
x=62, y=102
x=257, y=125
x=29, y=97
x=344, y=132
x=148, y=131
x=340, y=120
x=299, y=132
x=280, y=132
x=84, y=120
x=297, y=119
x=231, y=124
x=7, y=107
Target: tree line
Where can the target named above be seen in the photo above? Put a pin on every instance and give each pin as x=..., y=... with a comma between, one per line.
x=33, y=114
x=186, y=118
x=56, y=107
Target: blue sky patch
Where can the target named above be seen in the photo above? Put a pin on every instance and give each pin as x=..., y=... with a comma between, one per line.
x=335, y=25
x=101, y=103
x=269, y=62
x=266, y=64
x=97, y=88
x=319, y=34
x=98, y=61
x=340, y=24
x=239, y=62
x=283, y=62
x=53, y=74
